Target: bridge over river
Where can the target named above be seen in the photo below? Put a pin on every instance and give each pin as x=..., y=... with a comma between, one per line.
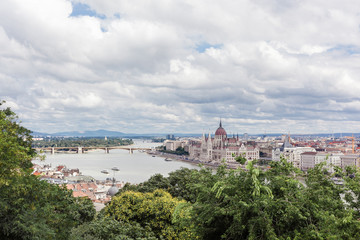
x=53, y=150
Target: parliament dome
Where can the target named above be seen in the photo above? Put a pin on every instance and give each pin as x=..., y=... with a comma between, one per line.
x=220, y=131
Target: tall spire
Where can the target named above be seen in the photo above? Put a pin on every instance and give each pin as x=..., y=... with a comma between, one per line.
x=220, y=123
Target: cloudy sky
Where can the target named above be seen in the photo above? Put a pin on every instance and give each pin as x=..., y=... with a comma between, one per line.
x=166, y=66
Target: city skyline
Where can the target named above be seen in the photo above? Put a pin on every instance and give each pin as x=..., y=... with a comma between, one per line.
x=178, y=66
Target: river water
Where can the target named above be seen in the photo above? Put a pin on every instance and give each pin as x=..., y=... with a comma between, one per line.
x=134, y=168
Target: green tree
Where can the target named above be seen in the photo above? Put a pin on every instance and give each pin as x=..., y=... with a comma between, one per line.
x=105, y=228
x=182, y=183
x=153, y=210
x=275, y=204
x=352, y=193
x=156, y=181
x=15, y=147
x=34, y=209
x=30, y=208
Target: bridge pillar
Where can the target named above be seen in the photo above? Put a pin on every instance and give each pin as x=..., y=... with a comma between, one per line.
x=107, y=150
x=52, y=150
x=79, y=150
x=131, y=151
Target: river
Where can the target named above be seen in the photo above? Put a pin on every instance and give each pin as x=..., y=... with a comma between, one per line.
x=134, y=168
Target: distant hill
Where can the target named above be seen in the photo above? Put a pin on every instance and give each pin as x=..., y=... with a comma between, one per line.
x=96, y=133
x=103, y=133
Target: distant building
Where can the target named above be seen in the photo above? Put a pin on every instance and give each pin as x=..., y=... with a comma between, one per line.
x=37, y=139
x=292, y=154
x=289, y=152
x=219, y=147
x=310, y=159
x=173, y=145
x=307, y=160
x=350, y=160
x=170, y=137
x=246, y=136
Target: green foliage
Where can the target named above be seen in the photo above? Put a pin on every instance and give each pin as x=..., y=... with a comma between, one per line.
x=253, y=204
x=280, y=203
x=108, y=228
x=240, y=159
x=156, y=181
x=85, y=209
x=352, y=196
x=15, y=147
x=182, y=219
x=183, y=183
x=30, y=208
x=34, y=209
x=186, y=183
x=178, y=151
x=153, y=210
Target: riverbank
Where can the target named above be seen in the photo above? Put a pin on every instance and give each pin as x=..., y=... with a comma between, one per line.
x=186, y=159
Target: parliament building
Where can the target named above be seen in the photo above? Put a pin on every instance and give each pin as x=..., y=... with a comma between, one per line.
x=221, y=147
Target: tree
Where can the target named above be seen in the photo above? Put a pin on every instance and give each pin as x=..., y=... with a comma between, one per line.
x=15, y=147
x=156, y=181
x=184, y=183
x=253, y=204
x=104, y=228
x=181, y=183
x=30, y=208
x=153, y=210
x=352, y=194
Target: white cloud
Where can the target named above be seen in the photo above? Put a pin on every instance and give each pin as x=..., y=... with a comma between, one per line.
x=277, y=66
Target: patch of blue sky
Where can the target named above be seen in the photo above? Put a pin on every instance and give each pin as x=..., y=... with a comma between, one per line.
x=201, y=47
x=347, y=49
x=80, y=9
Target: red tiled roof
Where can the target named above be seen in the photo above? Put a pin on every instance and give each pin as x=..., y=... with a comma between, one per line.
x=79, y=194
x=59, y=168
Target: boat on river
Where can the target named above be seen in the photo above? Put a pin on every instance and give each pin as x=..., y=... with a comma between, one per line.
x=168, y=159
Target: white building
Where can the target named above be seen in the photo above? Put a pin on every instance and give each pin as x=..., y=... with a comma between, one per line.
x=310, y=159
x=221, y=147
x=350, y=160
x=290, y=153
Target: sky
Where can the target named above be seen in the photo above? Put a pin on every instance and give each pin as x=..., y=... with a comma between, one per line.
x=178, y=66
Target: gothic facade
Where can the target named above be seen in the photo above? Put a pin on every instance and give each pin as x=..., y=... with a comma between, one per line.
x=219, y=147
